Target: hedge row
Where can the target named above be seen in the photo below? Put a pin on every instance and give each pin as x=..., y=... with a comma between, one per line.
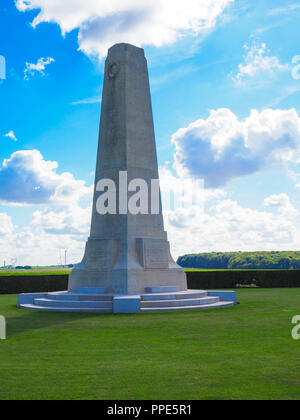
x=33, y=284
x=196, y=280
x=231, y=279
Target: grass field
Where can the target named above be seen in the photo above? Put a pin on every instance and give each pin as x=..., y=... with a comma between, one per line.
x=244, y=352
x=33, y=272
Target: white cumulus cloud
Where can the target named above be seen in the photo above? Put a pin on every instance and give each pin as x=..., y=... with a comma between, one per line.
x=11, y=135
x=26, y=178
x=6, y=225
x=62, y=221
x=282, y=203
x=103, y=23
x=222, y=147
x=222, y=224
x=257, y=60
x=40, y=67
x=34, y=246
x=228, y=226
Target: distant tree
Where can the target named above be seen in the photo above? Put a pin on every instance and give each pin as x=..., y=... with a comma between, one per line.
x=284, y=260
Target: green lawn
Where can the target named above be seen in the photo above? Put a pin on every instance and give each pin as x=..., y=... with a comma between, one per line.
x=54, y=272
x=244, y=352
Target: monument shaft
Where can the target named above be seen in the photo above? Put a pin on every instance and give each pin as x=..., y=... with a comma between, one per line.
x=126, y=253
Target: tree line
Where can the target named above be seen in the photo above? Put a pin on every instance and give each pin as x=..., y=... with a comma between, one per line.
x=278, y=260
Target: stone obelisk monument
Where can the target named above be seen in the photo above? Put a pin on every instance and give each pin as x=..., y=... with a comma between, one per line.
x=127, y=253
x=127, y=266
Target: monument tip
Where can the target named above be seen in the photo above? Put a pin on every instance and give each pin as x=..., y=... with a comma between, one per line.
x=125, y=46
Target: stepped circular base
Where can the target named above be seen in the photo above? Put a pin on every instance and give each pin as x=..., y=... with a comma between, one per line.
x=86, y=300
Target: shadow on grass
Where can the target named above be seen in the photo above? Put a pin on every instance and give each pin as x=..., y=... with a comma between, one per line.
x=26, y=320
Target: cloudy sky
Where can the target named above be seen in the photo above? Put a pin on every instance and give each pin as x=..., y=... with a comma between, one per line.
x=225, y=80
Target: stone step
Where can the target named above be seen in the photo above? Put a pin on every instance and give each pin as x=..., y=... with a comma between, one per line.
x=72, y=303
x=189, y=308
x=62, y=296
x=179, y=302
x=79, y=297
x=110, y=310
x=90, y=290
x=162, y=289
x=64, y=309
x=171, y=296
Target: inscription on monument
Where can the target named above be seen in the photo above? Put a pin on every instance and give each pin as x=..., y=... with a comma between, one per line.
x=153, y=253
x=98, y=259
x=101, y=254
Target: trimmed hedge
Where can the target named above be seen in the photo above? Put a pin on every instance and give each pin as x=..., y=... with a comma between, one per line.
x=33, y=284
x=205, y=280
x=230, y=279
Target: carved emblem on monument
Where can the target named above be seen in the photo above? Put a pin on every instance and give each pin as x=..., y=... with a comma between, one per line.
x=113, y=70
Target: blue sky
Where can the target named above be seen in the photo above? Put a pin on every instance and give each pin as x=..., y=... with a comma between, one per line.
x=222, y=71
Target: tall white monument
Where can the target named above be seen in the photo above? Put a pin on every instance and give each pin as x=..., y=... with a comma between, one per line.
x=127, y=252
x=127, y=265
